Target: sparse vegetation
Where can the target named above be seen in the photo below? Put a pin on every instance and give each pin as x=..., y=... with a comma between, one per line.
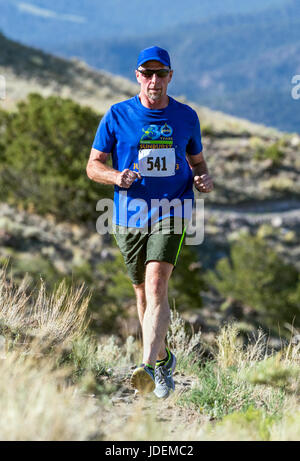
x=255, y=275
x=207, y=130
x=274, y=153
x=47, y=355
x=245, y=392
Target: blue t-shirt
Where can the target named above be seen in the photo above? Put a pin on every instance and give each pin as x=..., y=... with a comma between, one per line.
x=154, y=143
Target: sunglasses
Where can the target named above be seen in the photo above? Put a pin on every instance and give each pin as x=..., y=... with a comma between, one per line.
x=161, y=73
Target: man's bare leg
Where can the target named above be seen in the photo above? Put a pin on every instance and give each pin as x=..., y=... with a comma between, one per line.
x=140, y=301
x=141, y=308
x=157, y=314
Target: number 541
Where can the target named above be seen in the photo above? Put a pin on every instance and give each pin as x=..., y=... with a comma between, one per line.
x=159, y=163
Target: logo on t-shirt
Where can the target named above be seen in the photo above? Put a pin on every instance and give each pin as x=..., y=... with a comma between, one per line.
x=166, y=130
x=156, y=152
x=159, y=136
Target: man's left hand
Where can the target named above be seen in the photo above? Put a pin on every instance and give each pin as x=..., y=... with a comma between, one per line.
x=203, y=183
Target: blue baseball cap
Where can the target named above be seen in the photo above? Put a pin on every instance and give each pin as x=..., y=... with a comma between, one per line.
x=154, y=53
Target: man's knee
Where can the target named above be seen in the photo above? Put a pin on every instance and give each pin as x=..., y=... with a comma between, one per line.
x=157, y=278
x=158, y=269
x=156, y=288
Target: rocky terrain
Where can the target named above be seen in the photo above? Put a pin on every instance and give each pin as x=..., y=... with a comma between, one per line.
x=252, y=195
x=35, y=241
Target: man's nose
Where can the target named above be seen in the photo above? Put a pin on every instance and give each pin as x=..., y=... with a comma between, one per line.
x=154, y=77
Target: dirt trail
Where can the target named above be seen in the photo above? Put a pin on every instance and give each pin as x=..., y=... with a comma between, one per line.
x=288, y=211
x=131, y=417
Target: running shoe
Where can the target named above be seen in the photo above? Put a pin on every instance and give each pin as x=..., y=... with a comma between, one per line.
x=164, y=382
x=142, y=379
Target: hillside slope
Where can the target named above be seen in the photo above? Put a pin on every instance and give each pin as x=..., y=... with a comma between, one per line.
x=27, y=70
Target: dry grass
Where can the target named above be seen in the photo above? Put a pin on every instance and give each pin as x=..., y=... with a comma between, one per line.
x=62, y=315
x=37, y=401
x=230, y=350
x=55, y=318
x=36, y=404
x=182, y=344
x=14, y=302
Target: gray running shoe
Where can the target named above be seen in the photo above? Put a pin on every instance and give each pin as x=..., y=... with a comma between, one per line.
x=142, y=379
x=164, y=382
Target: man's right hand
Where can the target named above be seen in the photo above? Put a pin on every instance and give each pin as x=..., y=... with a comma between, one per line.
x=126, y=178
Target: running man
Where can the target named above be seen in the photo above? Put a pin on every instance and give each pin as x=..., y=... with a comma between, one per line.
x=156, y=149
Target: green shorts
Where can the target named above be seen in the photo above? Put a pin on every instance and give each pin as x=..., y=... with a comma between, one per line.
x=162, y=243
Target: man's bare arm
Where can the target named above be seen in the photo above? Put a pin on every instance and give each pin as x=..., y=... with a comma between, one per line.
x=98, y=171
x=202, y=181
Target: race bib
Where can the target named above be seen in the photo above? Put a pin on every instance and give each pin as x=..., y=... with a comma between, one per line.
x=157, y=162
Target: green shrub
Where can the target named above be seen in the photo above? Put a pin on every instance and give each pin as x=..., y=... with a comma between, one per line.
x=272, y=152
x=44, y=151
x=187, y=281
x=85, y=367
x=218, y=392
x=273, y=372
x=256, y=276
x=253, y=424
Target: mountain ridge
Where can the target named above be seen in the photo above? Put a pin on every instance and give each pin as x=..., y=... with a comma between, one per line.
x=40, y=21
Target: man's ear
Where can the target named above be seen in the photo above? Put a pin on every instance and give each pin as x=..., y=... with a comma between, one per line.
x=170, y=75
x=138, y=76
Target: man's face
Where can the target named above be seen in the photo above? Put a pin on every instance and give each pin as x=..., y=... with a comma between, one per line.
x=154, y=87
